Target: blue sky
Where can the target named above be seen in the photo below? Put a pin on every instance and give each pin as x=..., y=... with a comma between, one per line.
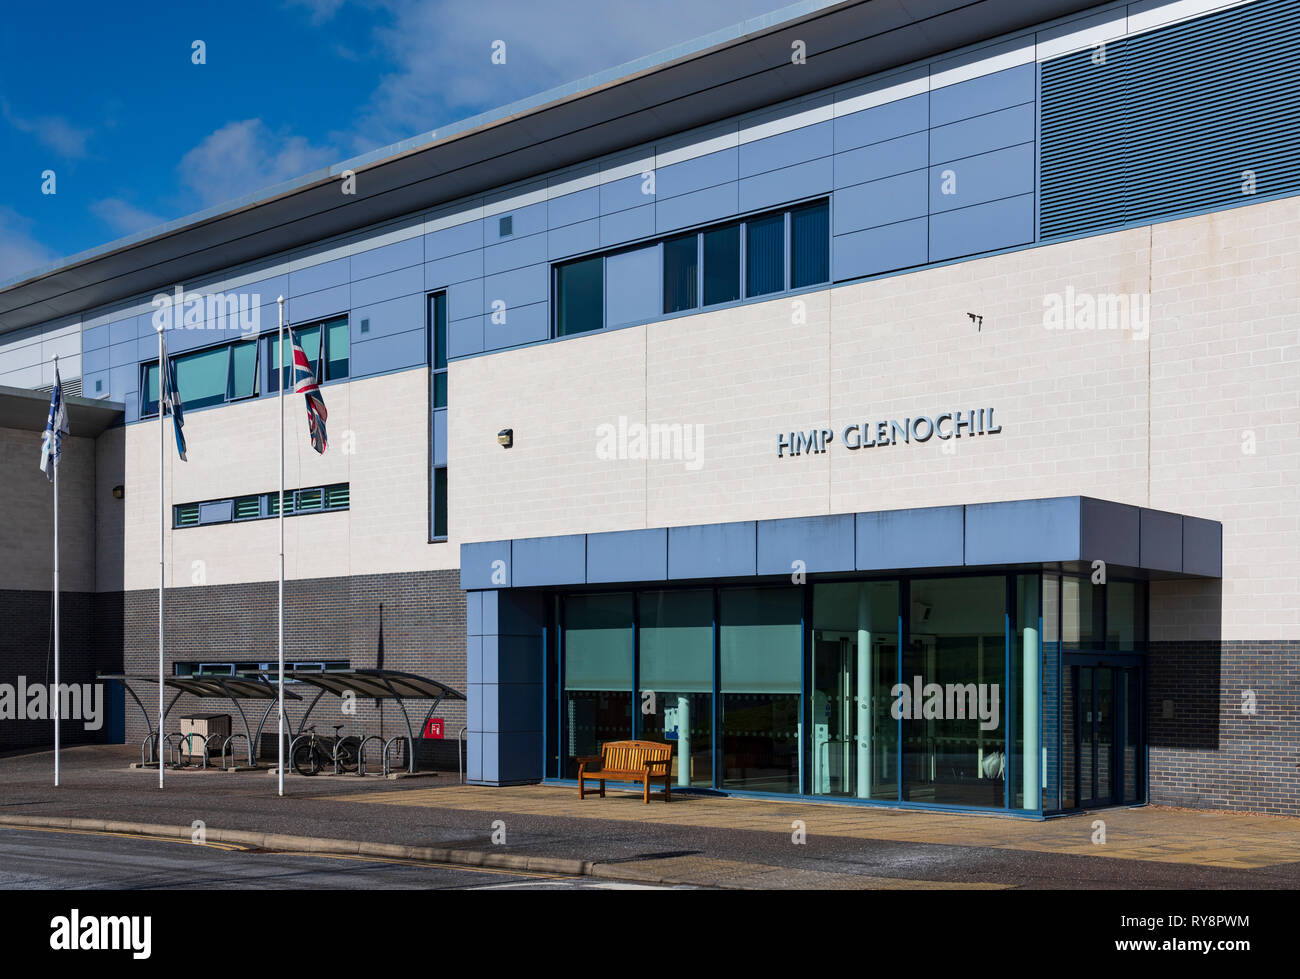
x=107, y=96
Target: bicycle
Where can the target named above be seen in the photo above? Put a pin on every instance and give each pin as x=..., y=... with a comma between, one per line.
x=318, y=752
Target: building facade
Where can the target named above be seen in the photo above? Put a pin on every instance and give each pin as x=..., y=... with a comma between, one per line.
x=887, y=411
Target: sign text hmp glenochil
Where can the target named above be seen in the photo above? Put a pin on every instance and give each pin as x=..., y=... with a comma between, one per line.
x=874, y=435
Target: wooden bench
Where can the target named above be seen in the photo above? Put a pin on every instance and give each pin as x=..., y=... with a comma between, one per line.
x=628, y=761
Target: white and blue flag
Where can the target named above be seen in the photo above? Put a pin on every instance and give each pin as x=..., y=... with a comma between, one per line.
x=55, y=428
x=171, y=400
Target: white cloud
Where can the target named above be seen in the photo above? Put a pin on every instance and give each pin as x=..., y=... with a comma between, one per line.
x=246, y=156
x=123, y=217
x=20, y=252
x=52, y=132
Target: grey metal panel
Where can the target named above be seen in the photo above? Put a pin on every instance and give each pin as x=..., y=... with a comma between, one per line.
x=926, y=537
x=1162, y=541
x=811, y=544
x=1111, y=532
x=627, y=555
x=479, y=565
x=720, y=550
x=549, y=561
x=1202, y=547
x=1023, y=531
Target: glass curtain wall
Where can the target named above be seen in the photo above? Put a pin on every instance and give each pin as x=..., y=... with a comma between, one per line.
x=853, y=666
x=675, y=632
x=951, y=697
x=761, y=653
x=598, y=668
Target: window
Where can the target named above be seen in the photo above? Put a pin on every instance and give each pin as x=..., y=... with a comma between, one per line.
x=681, y=273
x=764, y=255
x=258, y=506
x=580, y=296
x=203, y=377
x=722, y=265
x=242, y=382
x=440, y=503
x=810, y=230
x=334, y=332
x=438, y=348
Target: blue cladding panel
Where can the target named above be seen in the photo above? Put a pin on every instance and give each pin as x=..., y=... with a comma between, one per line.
x=1024, y=532
x=573, y=239
x=97, y=336
x=518, y=660
x=440, y=437
x=519, y=287
x=523, y=324
x=465, y=299
x=882, y=122
x=819, y=543
x=105, y=378
x=390, y=353
x=474, y=613
x=895, y=246
x=318, y=305
x=473, y=643
x=121, y=354
x=787, y=149
x=1202, y=547
x=980, y=179
x=550, y=561
x=455, y=268
x=627, y=555
x=983, y=227
x=923, y=538
x=711, y=550
x=318, y=277
x=619, y=195
x=790, y=184
x=698, y=208
x=582, y=205
x=882, y=160
x=514, y=253
x=1162, y=541
x=1110, y=532
x=379, y=288
x=692, y=175
x=987, y=93
x=633, y=291
x=388, y=258
x=453, y=240
x=970, y=137
x=517, y=613
x=624, y=226
x=388, y=318
x=880, y=202
x=524, y=222
x=94, y=361
x=477, y=566
x=465, y=337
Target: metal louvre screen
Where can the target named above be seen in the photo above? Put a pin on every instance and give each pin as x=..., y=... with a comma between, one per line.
x=1174, y=120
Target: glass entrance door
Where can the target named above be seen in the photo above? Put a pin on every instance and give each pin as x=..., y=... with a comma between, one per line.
x=1105, y=708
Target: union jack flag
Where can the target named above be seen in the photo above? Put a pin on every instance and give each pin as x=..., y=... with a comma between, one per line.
x=304, y=383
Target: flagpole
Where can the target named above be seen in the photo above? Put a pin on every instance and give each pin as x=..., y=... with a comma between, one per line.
x=55, y=693
x=162, y=456
x=280, y=672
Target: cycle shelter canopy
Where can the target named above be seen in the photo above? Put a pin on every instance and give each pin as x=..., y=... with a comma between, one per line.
x=378, y=685
x=232, y=688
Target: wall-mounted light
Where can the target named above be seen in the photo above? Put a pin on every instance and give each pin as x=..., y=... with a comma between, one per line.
x=119, y=492
x=506, y=437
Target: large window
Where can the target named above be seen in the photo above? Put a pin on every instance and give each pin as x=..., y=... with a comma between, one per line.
x=234, y=371
x=746, y=259
x=259, y=506
x=598, y=666
x=676, y=681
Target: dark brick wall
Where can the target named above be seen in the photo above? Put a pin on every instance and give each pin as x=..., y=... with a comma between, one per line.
x=1207, y=752
x=27, y=650
x=411, y=622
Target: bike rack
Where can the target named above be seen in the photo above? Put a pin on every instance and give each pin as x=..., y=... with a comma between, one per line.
x=460, y=766
x=147, y=744
x=361, y=753
x=171, y=743
x=390, y=742
x=225, y=745
x=207, y=752
x=293, y=744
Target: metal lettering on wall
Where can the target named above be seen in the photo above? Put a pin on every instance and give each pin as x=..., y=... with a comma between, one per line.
x=874, y=435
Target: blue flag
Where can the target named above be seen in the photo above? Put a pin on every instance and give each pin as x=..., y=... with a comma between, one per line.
x=55, y=428
x=170, y=400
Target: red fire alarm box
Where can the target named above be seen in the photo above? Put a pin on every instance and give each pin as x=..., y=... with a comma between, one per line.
x=434, y=728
